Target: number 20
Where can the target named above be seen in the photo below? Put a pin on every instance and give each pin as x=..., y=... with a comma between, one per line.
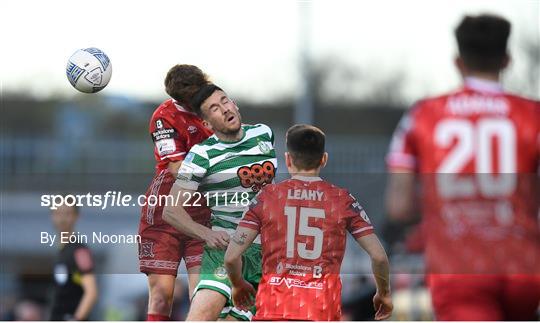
x=477, y=138
x=304, y=229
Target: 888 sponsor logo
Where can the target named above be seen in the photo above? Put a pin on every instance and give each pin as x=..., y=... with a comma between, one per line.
x=257, y=175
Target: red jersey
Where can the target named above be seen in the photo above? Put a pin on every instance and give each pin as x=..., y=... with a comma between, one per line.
x=303, y=224
x=477, y=151
x=174, y=131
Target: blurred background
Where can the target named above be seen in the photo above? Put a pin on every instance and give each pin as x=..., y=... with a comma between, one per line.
x=350, y=67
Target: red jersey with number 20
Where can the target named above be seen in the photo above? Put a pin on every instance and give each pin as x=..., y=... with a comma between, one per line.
x=477, y=151
x=303, y=224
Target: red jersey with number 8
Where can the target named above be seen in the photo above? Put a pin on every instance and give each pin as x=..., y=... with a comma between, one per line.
x=174, y=131
x=303, y=224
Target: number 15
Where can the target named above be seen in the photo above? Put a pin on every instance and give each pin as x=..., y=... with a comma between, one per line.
x=305, y=230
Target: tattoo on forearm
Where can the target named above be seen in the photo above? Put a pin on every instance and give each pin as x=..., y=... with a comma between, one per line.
x=240, y=240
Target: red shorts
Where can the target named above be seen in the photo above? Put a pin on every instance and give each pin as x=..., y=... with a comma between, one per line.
x=485, y=297
x=162, y=247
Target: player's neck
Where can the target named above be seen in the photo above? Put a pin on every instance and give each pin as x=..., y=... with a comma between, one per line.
x=230, y=137
x=492, y=77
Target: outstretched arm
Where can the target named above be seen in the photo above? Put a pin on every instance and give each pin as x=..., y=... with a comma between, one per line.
x=243, y=293
x=175, y=215
x=382, y=300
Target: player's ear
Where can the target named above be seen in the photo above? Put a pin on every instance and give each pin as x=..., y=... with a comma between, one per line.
x=207, y=125
x=288, y=161
x=460, y=65
x=324, y=159
x=506, y=61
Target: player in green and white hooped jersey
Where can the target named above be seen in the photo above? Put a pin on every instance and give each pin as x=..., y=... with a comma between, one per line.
x=229, y=168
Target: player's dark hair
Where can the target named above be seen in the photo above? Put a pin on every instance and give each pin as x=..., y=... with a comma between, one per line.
x=183, y=81
x=203, y=93
x=482, y=42
x=305, y=144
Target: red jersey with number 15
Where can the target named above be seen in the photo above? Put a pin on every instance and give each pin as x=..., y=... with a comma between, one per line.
x=174, y=131
x=303, y=224
x=477, y=151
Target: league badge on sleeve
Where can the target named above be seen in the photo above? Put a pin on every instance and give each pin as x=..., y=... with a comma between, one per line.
x=357, y=208
x=165, y=146
x=185, y=173
x=189, y=157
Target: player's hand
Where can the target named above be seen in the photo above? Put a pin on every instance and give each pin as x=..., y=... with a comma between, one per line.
x=243, y=295
x=217, y=239
x=383, y=306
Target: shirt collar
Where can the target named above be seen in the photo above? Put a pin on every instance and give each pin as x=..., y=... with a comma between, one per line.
x=180, y=108
x=307, y=178
x=483, y=85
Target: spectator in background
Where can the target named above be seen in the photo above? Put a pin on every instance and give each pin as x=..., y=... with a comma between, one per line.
x=75, y=290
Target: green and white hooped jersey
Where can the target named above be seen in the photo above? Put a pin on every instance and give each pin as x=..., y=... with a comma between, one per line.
x=230, y=174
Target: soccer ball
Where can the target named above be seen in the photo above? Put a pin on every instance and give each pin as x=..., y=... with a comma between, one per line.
x=89, y=70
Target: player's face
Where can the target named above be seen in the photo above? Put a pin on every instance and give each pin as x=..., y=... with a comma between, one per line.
x=64, y=218
x=221, y=113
